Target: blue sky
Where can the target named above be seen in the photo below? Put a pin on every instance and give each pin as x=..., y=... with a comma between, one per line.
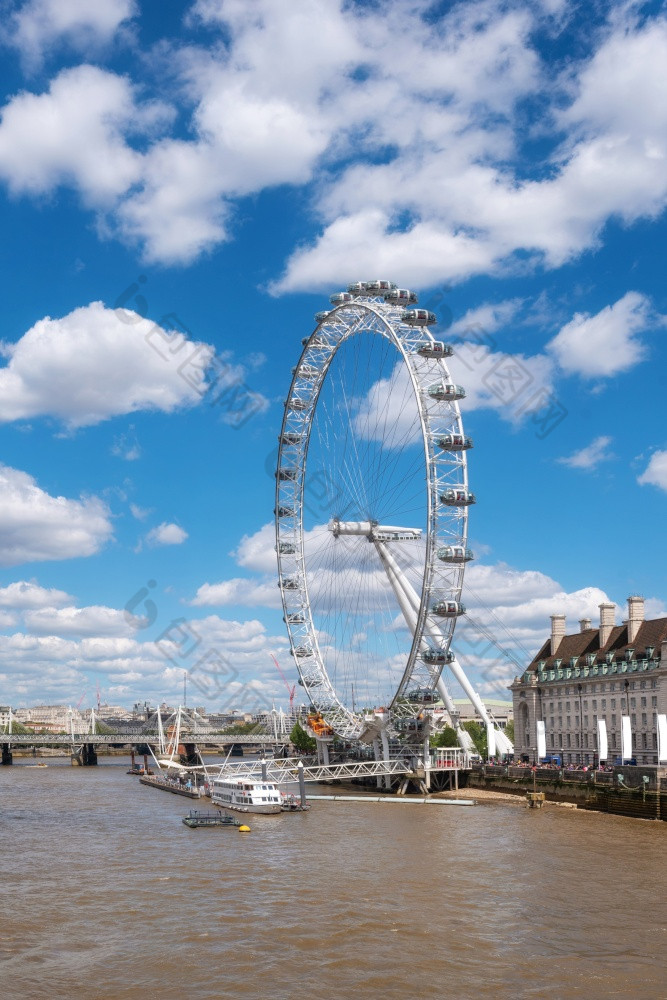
x=217, y=169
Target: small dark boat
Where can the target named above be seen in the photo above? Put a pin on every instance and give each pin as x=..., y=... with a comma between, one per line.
x=195, y=819
x=139, y=769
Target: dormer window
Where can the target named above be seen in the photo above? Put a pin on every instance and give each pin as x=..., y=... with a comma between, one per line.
x=590, y=659
x=557, y=664
x=650, y=650
x=629, y=653
x=573, y=661
x=609, y=657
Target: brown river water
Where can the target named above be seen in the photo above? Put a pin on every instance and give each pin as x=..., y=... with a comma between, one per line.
x=105, y=893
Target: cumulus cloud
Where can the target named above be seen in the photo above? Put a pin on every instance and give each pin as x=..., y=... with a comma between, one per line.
x=35, y=526
x=93, y=621
x=27, y=594
x=416, y=148
x=41, y=24
x=606, y=343
x=655, y=473
x=95, y=363
x=590, y=456
x=166, y=534
x=241, y=591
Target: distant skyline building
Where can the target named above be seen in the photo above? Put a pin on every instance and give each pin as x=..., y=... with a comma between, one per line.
x=597, y=694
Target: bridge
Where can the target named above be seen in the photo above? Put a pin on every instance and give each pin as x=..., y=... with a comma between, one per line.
x=137, y=737
x=449, y=761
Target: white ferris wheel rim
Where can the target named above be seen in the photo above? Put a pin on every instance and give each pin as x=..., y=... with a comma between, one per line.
x=445, y=525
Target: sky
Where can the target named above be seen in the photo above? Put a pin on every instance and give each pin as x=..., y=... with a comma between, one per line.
x=182, y=186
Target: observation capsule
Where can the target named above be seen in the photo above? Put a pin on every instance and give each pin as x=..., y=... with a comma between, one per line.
x=306, y=371
x=419, y=317
x=454, y=442
x=401, y=296
x=339, y=298
x=457, y=497
x=284, y=511
x=285, y=548
x=379, y=287
x=446, y=392
x=296, y=618
x=357, y=288
x=455, y=554
x=289, y=583
x=286, y=475
x=321, y=315
x=448, y=609
x=296, y=403
x=435, y=349
x=423, y=696
x=289, y=437
x=436, y=656
x=302, y=651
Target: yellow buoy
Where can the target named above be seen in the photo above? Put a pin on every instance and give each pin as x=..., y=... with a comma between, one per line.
x=244, y=829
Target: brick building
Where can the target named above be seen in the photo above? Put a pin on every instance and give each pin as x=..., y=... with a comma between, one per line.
x=596, y=675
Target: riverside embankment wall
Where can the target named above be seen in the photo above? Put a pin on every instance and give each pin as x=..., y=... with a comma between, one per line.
x=622, y=791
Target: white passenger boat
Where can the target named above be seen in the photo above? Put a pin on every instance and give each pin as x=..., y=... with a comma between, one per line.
x=246, y=795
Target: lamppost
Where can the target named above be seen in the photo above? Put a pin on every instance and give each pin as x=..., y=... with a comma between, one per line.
x=581, y=725
x=626, y=684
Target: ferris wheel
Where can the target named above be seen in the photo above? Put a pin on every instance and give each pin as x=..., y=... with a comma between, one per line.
x=371, y=515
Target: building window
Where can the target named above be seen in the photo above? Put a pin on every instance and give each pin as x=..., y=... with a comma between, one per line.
x=604, y=704
x=586, y=723
x=569, y=723
x=586, y=740
x=567, y=706
x=633, y=703
x=613, y=741
x=613, y=703
x=654, y=684
x=644, y=741
x=654, y=702
x=644, y=723
x=551, y=721
x=576, y=740
x=643, y=702
x=613, y=722
x=612, y=686
x=560, y=721
x=642, y=684
x=569, y=740
x=595, y=704
x=634, y=720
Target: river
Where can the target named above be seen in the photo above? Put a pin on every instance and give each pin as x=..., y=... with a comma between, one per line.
x=105, y=893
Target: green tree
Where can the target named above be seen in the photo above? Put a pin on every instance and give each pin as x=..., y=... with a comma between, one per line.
x=301, y=741
x=445, y=738
x=477, y=733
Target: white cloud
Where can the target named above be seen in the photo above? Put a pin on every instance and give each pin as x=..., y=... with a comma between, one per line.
x=606, y=343
x=26, y=594
x=35, y=526
x=238, y=591
x=41, y=24
x=166, y=534
x=93, y=621
x=73, y=135
x=95, y=363
x=655, y=473
x=590, y=456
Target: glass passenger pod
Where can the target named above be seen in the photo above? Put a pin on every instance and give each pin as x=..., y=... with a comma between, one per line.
x=457, y=497
x=401, y=296
x=302, y=651
x=418, y=317
x=379, y=287
x=296, y=618
x=290, y=583
x=434, y=349
x=448, y=609
x=321, y=315
x=454, y=442
x=436, y=656
x=287, y=475
x=290, y=437
x=340, y=298
x=306, y=371
x=286, y=548
x=455, y=554
x=446, y=391
x=423, y=696
x=284, y=511
x=297, y=403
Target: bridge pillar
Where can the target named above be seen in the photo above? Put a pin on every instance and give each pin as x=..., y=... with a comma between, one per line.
x=7, y=756
x=237, y=750
x=89, y=755
x=378, y=756
x=385, y=756
x=190, y=755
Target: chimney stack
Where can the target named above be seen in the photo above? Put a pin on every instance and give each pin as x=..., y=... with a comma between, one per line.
x=584, y=624
x=557, y=632
x=635, y=616
x=607, y=622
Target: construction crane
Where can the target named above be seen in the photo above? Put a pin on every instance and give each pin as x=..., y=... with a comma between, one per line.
x=290, y=688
